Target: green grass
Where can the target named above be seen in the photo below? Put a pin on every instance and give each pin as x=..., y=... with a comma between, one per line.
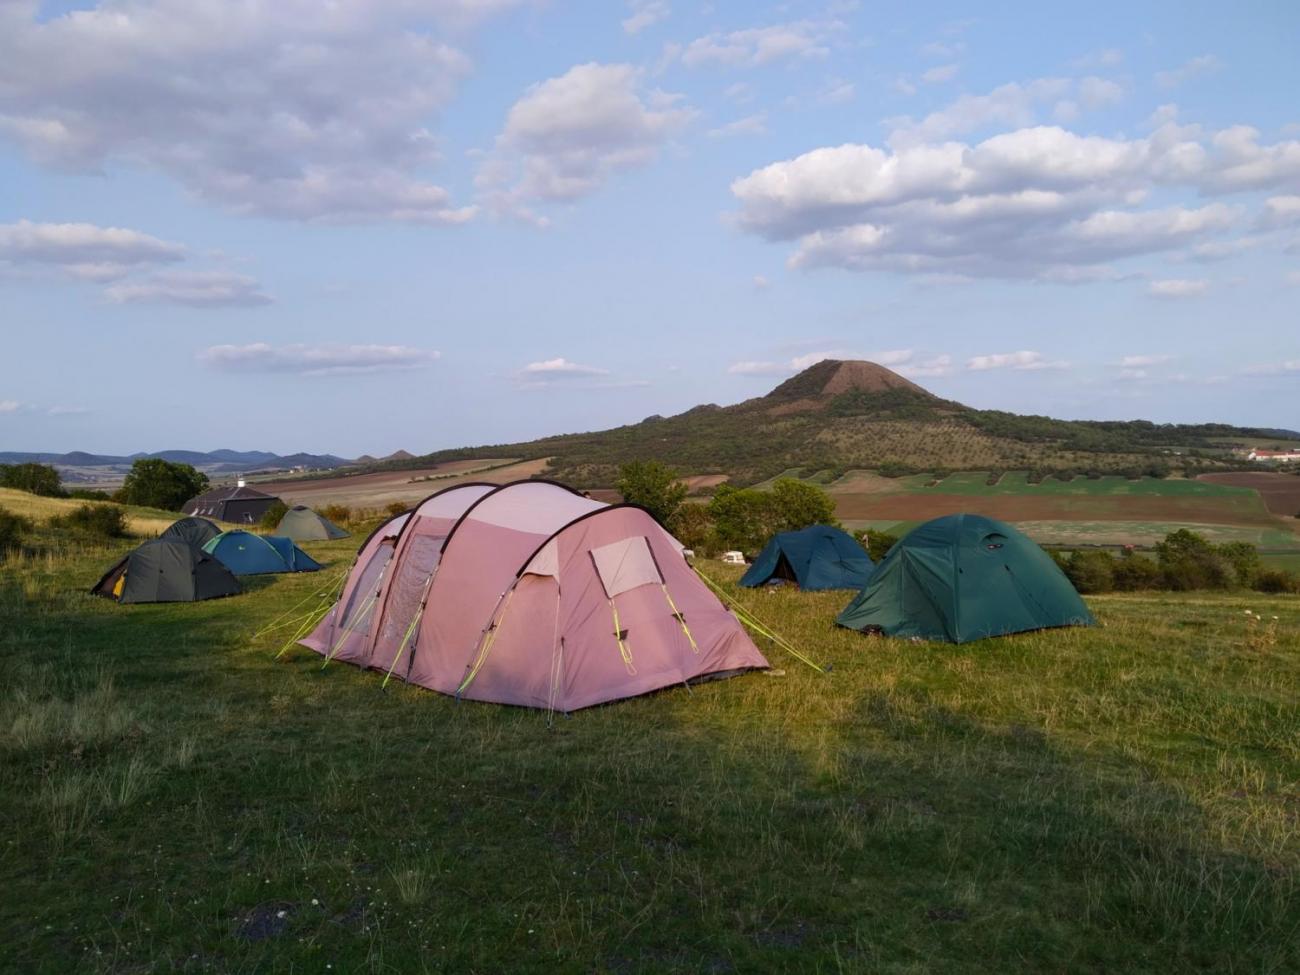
x=975, y=483
x=175, y=799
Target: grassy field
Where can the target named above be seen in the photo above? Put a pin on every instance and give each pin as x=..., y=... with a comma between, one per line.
x=175, y=799
x=144, y=522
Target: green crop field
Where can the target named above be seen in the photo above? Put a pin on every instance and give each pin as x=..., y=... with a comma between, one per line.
x=176, y=799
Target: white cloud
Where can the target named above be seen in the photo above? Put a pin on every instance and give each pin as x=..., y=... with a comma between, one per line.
x=837, y=92
x=757, y=46
x=1194, y=68
x=68, y=411
x=1023, y=360
x=1011, y=104
x=1293, y=277
x=903, y=85
x=752, y=367
x=940, y=73
x=10, y=406
x=942, y=50
x=316, y=360
x=761, y=283
x=84, y=250
x=292, y=109
x=199, y=289
x=1040, y=202
x=1105, y=58
x=560, y=368
x=749, y=125
x=1286, y=367
x=1138, y=361
x=1281, y=211
x=1178, y=287
x=645, y=13
x=940, y=365
x=567, y=136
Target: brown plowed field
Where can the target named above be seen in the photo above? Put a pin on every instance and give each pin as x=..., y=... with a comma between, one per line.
x=1281, y=492
x=920, y=507
x=379, y=489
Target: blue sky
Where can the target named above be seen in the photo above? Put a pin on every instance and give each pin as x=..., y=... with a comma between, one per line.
x=418, y=224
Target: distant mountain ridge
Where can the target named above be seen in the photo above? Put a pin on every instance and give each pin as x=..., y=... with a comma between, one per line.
x=839, y=415
x=220, y=461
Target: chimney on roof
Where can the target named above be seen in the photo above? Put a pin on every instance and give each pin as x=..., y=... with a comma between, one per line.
x=240, y=482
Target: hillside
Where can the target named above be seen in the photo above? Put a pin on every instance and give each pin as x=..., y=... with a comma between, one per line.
x=839, y=415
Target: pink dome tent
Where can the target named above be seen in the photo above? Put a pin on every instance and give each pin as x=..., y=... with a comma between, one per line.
x=531, y=594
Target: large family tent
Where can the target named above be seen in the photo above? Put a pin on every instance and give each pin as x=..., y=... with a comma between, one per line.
x=246, y=554
x=302, y=524
x=818, y=557
x=962, y=578
x=531, y=594
x=166, y=570
x=237, y=503
x=196, y=531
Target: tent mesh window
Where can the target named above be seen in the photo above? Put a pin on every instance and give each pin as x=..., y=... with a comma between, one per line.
x=624, y=565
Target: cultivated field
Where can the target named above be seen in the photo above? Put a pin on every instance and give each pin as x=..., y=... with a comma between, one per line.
x=1119, y=798
x=383, y=488
x=1281, y=492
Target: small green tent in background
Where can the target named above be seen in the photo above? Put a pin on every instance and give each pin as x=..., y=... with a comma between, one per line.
x=303, y=525
x=962, y=578
x=166, y=570
x=196, y=531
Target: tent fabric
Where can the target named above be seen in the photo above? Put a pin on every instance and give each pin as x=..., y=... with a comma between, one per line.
x=196, y=531
x=301, y=524
x=246, y=554
x=965, y=577
x=166, y=570
x=818, y=557
x=531, y=594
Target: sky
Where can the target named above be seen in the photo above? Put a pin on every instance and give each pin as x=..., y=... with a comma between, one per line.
x=369, y=225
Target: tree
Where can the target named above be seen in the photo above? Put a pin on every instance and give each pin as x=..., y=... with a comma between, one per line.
x=1244, y=559
x=273, y=515
x=800, y=504
x=654, y=486
x=157, y=483
x=1091, y=571
x=692, y=526
x=39, y=479
x=744, y=518
x=1189, y=561
x=877, y=543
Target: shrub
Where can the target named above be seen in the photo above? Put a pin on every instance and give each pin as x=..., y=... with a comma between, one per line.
x=1276, y=581
x=271, y=518
x=88, y=494
x=340, y=514
x=395, y=508
x=95, y=520
x=877, y=544
x=800, y=504
x=1135, y=572
x=1188, y=561
x=1244, y=559
x=12, y=529
x=692, y=526
x=1091, y=571
x=654, y=486
x=157, y=483
x=39, y=479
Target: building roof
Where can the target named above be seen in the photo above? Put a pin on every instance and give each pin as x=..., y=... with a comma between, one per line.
x=230, y=492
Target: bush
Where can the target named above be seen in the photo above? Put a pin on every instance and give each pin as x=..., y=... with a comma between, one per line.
x=1188, y=561
x=1091, y=571
x=271, y=518
x=395, y=508
x=88, y=494
x=877, y=544
x=800, y=505
x=692, y=526
x=95, y=520
x=1276, y=581
x=340, y=514
x=1244, y=559
x=157, y=483
x=39, y=479
x=1136, y=572
x=12, y=530
x=654, y=486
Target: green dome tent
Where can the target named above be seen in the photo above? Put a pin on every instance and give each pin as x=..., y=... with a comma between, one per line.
x=196, y=531
x=817, y=557
x=302, y=524
x=246, y=554
x=166, y=570
x=962, y=578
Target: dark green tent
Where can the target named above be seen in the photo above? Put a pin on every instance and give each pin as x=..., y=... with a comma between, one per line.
x=302, y=524
x=166, y=570
x=197, y=531
x=817, y=557
x=962, y=578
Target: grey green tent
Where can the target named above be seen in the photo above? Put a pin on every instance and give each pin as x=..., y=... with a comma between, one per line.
x=166, y=570
x=303, y=525
x=817, y=557
x=962, y=578
x=197, y=531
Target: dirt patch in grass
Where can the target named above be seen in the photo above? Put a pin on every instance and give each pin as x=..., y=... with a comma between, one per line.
x=1281, y=492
